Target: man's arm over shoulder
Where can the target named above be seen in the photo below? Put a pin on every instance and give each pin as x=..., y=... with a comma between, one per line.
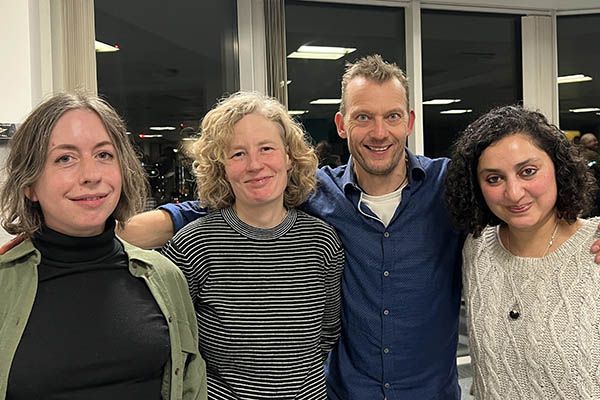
x=153, y=229
x=147, y=230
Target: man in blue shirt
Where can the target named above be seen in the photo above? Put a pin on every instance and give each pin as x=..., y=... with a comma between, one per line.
x=401, y=284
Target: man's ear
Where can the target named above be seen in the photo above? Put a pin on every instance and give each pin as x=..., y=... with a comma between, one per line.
x=411, y=121
x=339, y=124
x=29, y=192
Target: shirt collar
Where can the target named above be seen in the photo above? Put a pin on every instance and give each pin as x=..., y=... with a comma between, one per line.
x=417, y=171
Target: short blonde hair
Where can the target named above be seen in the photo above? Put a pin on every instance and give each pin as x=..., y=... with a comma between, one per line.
x=375, y=69
x=28, y=153
x=214, y=191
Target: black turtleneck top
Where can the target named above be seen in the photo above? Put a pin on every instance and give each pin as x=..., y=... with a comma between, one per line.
x=95, y=331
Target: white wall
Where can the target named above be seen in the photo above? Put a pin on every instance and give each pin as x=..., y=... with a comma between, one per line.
x=21, y=57
x=15, y=78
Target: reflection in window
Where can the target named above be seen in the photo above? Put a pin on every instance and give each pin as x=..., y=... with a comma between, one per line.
x=578, y=55
x=471, y=62
x=361, y=30
x=174, y=61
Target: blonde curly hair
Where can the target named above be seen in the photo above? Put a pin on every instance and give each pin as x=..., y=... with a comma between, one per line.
x=208, y=152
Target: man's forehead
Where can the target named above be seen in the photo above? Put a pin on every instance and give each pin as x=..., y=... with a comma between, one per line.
x=389, y=96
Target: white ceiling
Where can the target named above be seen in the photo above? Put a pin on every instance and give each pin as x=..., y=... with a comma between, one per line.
x=549, y=5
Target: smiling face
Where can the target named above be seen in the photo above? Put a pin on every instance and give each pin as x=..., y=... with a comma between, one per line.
x=80, y=184
x=517, y=180
x=377, y=123
x=257, y=164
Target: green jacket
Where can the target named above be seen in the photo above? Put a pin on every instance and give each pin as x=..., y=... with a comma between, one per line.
x=185, y=373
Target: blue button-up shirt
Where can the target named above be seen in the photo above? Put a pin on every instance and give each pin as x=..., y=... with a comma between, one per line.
x=401, y=287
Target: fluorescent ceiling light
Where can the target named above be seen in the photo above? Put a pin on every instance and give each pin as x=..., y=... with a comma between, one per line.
x=104, y=48
x=457, y=111
x=585, y=109
x=145, y=136
x=574, y=78
x=437, y=102
x=189, y=138
x=321, y=52
x=326, y=101
x=162, y=128
x=297, y=112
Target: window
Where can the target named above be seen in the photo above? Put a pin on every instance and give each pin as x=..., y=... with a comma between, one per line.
x=471, y=60
x=175, y=60
x=364, y=29
x=577, y=40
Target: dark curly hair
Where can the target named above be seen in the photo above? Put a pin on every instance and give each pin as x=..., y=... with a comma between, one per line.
x=575, y=183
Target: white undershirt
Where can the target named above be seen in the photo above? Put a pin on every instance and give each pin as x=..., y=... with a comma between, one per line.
x=383, y=206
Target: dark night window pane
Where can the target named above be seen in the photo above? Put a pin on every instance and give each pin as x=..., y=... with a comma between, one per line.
x=367, y=29
x=175, y=60
x=578, y=54
x=471, y=57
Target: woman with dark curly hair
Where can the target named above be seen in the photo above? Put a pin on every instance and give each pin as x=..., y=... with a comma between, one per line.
x=531, y=287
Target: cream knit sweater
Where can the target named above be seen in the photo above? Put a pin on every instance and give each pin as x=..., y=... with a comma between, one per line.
x=552, y=351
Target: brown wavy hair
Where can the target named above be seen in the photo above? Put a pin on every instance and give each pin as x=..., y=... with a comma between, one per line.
x=28, y=153
x=575, y=183
x=208, y=152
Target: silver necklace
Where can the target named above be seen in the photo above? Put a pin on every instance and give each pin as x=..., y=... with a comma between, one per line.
x=515, y=312
x=550, y=242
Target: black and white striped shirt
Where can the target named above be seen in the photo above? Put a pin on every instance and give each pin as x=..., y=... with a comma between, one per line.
x=267, y=302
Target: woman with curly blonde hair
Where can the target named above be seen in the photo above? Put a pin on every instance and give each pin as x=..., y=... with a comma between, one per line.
x=264, y=277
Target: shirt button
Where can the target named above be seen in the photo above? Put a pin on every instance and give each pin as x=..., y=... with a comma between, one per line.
x=386, y=273
x=387, y=385
x=386, y=350
x=386, y=234
x=176, y=371
x=386, y=312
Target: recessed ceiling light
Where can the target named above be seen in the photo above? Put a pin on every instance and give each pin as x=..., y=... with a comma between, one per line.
x=321, y=52
x=436, y=102
x=584, y=109
x=574, y=78
x=162, y=128
x=297, y=112
x=101, y=47
x=457, y=111
x=326, y=101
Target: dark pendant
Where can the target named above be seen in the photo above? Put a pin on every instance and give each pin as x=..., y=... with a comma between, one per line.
x=513, y=314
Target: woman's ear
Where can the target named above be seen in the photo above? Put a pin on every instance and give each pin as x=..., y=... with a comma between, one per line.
x=288, y=161
x=29, y=192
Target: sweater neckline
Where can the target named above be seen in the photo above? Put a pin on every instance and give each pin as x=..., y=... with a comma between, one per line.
x=65, y=251
x=587, y=228
x=252, y=232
